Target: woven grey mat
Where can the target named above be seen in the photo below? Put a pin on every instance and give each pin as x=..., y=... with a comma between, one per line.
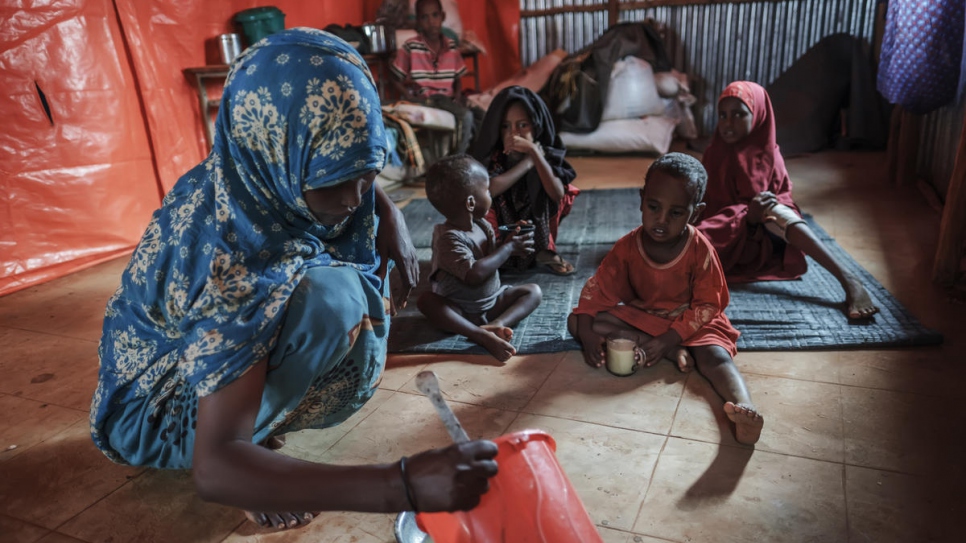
x=598, y=216
x=804, y=314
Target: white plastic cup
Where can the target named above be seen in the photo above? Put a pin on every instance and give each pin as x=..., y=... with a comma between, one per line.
x=620, y=356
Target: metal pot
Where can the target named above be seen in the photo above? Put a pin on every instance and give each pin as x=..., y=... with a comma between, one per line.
x=229, y=47
x=381, y=38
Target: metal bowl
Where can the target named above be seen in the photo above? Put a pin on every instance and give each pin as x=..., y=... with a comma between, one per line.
x=407, y=531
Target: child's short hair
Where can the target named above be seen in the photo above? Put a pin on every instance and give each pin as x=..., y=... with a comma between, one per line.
x=419, y=3
x=451, y=179
x=686, y=168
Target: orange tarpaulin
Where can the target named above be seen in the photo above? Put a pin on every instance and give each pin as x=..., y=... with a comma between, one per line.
x=79, y=185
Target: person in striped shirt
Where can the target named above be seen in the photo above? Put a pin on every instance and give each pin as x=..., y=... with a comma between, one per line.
x=428, y=68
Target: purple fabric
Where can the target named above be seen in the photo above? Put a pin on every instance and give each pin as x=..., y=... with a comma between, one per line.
x=921, y=53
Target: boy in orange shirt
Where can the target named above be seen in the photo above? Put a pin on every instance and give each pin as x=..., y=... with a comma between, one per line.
x=662, y=286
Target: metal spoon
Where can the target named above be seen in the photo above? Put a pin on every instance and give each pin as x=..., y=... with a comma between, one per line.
x=427, y=383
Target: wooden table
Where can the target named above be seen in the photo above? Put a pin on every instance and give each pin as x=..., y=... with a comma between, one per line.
x=208, y=104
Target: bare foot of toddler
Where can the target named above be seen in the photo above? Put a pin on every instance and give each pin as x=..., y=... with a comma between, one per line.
x=498, y=347
x=280, y=521
x=504, y=332
x=682, y=357
x=748, y=422
x=857, y=301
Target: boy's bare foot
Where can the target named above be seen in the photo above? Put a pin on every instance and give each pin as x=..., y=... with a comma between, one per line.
x=498, y=347
x=857, y=301
x=682, y=357
x=748, y=422
x=504, y=332
x=280, y=521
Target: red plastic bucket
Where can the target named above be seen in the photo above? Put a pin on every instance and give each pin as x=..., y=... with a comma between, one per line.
x=530, y=501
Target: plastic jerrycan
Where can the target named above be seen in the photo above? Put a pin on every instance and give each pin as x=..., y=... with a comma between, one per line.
x=530, y=500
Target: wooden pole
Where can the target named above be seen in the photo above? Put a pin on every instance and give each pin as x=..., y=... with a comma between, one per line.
x=902, y=147
x=892, y=146
x=949, y=253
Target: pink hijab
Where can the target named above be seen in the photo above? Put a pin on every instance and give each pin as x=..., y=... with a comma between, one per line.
x=738, y=172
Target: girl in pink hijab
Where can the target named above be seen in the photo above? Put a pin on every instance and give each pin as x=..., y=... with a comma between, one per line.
x=751, y=218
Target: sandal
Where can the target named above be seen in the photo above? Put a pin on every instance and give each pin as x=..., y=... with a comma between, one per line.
x=555, y=264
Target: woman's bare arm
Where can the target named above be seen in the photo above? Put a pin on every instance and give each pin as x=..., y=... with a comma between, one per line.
x=231, y=470
x=393, y=241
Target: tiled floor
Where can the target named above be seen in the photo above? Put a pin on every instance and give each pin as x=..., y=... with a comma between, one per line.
x=862, y=446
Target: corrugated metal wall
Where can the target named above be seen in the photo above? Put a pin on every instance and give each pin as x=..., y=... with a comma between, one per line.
x=723, y=42
x=714, y=43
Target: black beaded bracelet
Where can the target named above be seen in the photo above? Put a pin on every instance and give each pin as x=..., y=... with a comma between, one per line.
x=409, y=489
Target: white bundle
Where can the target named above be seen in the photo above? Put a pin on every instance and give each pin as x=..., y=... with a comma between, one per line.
x=632, y=92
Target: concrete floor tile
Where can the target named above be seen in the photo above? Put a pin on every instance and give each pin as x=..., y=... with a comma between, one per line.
x=819, y=366
x=609, y=468
x=645, y=400
x=703, y=492
x=889, y=507
x=56, y=537
x=18, y=531
x=486, y=382
x=52, y=369
x=401, y=368
x=159, y=506
x=55, y=480
x=26, y=423
x=802, y=418
x=311, y=445
x=932, y=371
x=898, y=431
x=407, y=424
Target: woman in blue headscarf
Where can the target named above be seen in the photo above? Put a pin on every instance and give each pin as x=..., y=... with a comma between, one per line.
x=256, y=302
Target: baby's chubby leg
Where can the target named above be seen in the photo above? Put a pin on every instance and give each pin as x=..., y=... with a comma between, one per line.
x=449, y=318
x=716, y=364
x=514, y=304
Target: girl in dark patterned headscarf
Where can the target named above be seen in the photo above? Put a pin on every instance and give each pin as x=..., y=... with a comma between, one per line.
x=256, y=302
x=529, y=177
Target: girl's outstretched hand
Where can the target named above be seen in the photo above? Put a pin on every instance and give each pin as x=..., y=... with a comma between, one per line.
x=452, y=479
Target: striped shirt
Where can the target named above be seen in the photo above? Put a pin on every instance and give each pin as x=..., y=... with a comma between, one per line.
x=434, y=74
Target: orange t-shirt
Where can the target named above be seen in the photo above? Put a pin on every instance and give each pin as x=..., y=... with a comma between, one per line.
x=688, y=294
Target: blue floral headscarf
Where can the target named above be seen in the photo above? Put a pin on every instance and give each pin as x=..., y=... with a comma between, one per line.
x=204, y=294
